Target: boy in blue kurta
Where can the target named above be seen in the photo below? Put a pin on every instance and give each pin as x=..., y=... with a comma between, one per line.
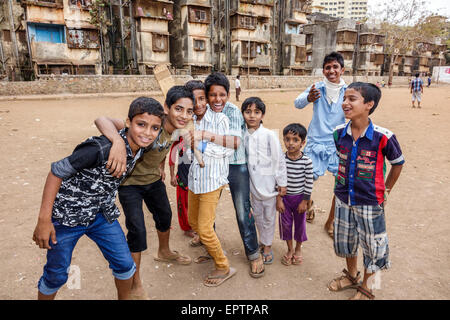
x=327, y=96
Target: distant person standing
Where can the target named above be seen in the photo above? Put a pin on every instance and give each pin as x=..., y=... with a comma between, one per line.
x=429, y=81
x=238, y=87
x=416, y=89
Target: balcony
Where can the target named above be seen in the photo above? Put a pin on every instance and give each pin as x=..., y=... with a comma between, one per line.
x=45, y=3
x=294, y=39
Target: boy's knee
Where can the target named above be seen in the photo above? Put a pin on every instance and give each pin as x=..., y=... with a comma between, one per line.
x=51, y=282
x=126, y=271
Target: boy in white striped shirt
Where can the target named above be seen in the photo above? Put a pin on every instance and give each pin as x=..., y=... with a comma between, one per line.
x=293, y=205
x=205, y=187
x=267, y=170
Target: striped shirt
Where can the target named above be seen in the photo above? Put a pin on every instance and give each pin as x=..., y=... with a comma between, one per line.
x=215, y=173
x=238, y=129
x=416, y=84
x=299, y=176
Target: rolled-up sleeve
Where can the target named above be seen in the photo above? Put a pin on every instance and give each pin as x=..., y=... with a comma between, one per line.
x=302, y=99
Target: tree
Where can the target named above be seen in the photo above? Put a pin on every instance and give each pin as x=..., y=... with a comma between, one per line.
x=405, y=24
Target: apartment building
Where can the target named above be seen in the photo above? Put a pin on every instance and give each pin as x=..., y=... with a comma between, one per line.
x=370, y=51
x=190, y=40
x=250, y=27
x=14, y=56
x=349, y=9
x=61, y=38
x=152, y=33
x=293, y=41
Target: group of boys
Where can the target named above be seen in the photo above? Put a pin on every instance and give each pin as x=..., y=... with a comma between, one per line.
x=129, y=160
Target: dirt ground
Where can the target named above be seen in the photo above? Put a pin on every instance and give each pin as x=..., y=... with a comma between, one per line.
x=35, y=133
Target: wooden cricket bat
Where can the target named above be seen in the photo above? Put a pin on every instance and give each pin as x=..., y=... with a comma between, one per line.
x=165, y=81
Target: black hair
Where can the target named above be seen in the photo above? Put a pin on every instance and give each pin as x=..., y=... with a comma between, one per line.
x=238, y=76
x=333, y=56
x=195, y=85
x=177, y=92
x=369, y=92
x=295, y=129
x=145, y=105
x=417, y=75
x=256, y=101
x=217, y=79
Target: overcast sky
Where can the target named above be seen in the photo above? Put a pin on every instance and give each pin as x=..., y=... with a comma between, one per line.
x=436, y=6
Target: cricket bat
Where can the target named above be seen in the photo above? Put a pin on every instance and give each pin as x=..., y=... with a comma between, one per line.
x=165, y=81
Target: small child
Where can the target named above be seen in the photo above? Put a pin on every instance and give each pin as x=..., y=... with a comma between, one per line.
x=267, y=171
x=293, y=205
x=361, y=190
x=78, y=199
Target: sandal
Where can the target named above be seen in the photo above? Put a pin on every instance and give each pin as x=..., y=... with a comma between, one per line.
x=203, y=259
x=195, y=242
x=354, y=281
x=286, y=260
x=296, y=260
x=265, y=255
x=362, y=294
x=257, y=274
x=221, y=278
x=175, y=257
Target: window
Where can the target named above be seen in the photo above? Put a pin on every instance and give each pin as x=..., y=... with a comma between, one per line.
x=159, y=42
x=82, y=39
x=47, y=33
x=199, y=45
x=6, y=36
x=245, y=49
x=81, y=4
x=198, y=15
x=300, y=54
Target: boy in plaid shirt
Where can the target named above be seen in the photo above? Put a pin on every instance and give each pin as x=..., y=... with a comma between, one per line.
x=361, y=190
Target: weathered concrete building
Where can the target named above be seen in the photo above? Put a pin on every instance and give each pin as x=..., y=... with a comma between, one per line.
x=370, y=54
x=14, y=56
x=190, y=41
x=293, y=41
x=250, y=42
x=423, y=54
x=61, y=37
x=152, y=32
x=347, y=42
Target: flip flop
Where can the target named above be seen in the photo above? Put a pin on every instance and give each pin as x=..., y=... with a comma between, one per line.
x=176, y=257
x=222, y=278
x=203, y=259
x=265, y=255
x=256, y=274
x=286, y=260
x=194, y=244
x=296, y=260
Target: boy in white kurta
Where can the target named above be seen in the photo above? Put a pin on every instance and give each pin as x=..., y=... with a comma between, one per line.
x=267, y=170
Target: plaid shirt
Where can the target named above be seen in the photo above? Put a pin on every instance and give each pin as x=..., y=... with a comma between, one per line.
x=360, y=178
x=416, y=84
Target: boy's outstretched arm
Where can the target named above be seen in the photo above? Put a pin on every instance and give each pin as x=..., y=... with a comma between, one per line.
x=311, y=94
x=392, y=178
x=45, y=230
x=117, y=160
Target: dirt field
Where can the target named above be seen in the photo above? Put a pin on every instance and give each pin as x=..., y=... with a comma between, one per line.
x=35, y=133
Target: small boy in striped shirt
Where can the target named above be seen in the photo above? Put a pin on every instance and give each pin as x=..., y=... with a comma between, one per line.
x=293, y=205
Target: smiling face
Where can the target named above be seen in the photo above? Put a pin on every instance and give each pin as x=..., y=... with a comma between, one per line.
x=332, y=71
x=143, y=130
x=179, y=114
x=253, y=117
x=354, y=106
x=293, y=143
x=200, y=102
x=217, y=98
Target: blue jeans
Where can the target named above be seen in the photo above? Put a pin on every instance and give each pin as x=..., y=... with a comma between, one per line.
x=238, y=180
x=109, y=238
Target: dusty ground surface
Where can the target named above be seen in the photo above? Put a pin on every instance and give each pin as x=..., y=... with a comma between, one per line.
x=35, y=133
